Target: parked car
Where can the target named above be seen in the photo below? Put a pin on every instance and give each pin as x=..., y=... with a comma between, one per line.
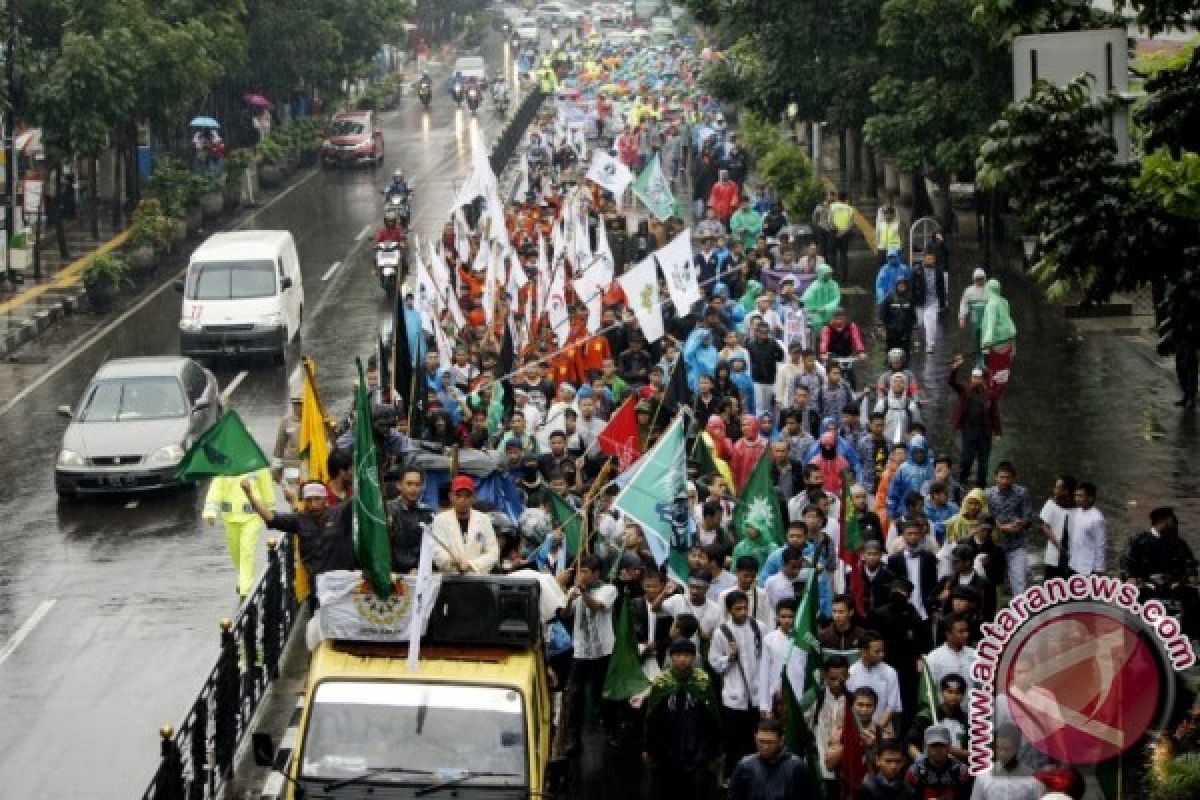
x=136, y=420
x=353, y=138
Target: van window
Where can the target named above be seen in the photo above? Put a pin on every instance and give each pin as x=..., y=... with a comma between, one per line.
x=231, y=280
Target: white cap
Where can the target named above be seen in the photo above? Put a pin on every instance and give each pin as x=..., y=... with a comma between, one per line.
x=979, y=273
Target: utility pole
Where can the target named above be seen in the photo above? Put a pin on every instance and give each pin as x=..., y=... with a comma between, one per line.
x=10, y=124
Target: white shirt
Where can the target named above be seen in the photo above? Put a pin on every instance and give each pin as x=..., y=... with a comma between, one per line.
x=1088, y=539
x=943, y=661
x=882, y=679
x=593, y=635
x=721, y=584
x=708, y=615
x=779, y=586
x=829, y=718
x=1054, y=516
x=776, y=647
x=533, y=417
x=912, y=565
x=739, y=687
x=760, y=606
x=1001, y=785
x=477, y=546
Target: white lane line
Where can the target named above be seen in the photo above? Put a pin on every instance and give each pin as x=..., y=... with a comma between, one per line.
x=233, y=385
x=132, y=504
x=363, y=233
x=332, y=269
x=23, y=632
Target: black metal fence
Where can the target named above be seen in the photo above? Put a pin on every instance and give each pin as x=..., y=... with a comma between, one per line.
x=510, y=137
x=196, y=761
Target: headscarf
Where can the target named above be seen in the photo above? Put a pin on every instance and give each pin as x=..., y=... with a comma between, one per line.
x=753, y=290
x=997, y=327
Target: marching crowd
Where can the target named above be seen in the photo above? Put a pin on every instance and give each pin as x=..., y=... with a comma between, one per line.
x=769, y=368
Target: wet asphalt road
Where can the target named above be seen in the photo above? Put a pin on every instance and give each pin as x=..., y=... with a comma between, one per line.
x=109, y=609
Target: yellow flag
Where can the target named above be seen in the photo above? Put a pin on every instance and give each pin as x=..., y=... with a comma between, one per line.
x=314, y=432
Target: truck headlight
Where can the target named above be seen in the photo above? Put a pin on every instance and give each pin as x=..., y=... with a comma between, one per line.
x=69, y=458
x=190, y=325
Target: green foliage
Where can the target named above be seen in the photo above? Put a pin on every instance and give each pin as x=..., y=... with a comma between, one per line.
x=270, y=151
x=1174, y=182
x=169, y=184
x=1171, y=111
x=758, y=134
x=200, y=185
x=379, y=95
x=236, y=164
x=1009, y=18
x=19, y=241
x=149, y=225
x=1178, y=778
x=106, y=270
x=787, y=169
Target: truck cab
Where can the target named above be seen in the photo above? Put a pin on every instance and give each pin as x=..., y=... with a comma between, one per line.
x=473, y=718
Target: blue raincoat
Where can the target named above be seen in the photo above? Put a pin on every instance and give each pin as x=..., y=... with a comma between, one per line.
x=910, y=477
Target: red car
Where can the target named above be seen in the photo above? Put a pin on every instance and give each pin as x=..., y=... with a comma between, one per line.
x=354, y=137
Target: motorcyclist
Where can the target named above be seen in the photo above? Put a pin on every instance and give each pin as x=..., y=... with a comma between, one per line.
x=499, y=92
x=1162, y=563
x=841, y=338
x=398, y=185
x=391, y=230
x=425, y=82
x=458, y=86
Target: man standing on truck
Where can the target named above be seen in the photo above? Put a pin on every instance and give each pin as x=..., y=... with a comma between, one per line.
x=464, y=541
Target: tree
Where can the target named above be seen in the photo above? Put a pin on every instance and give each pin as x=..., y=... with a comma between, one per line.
x=944, y=80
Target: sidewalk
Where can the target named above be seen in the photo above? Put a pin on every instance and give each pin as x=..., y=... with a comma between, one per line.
x=32, y=307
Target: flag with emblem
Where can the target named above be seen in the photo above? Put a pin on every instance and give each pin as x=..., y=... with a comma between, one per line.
x=624, y=678
x=758, y=504
x=679, y=268
x=640, y=285
x=798, y=688
x=609, y=173
x=566, y=517
x=620, y=436
x=371, y=545
x=226, y=448
x=653, y=189
x=656, y=498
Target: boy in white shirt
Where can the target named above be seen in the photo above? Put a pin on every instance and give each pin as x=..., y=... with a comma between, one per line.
x=746, y=570
x=776, y=646
x=782, y=585
x=589, y=603
x=1088, y=537
x=735, y=655
x=695, y=602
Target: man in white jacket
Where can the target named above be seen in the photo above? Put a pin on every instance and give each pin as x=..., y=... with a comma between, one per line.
x=464, y=541
x=735, y=653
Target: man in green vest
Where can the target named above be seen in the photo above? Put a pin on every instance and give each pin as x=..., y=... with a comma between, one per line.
x=841, y=213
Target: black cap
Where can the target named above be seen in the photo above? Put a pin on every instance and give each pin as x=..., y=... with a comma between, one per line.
x=682, y=646
x=1161, y=513
x=631, y=561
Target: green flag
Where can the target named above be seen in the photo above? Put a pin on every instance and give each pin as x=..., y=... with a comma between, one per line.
x=571, y=521
x=852, y=543
x=226, y=448
x=758, y=504
x=653, y=189
x=495, y=411
x=799, y=686
x=625, y=677
x=656, y=498
x=371, y=544
x=927, y=696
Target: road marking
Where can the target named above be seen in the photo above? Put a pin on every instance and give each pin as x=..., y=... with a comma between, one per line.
x=131, y=505
x=22, y=632
x=233, y=385
x=332, y=269
x=363, y=233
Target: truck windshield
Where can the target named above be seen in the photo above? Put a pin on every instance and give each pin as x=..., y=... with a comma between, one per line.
x=230, y=280
x=446, y=729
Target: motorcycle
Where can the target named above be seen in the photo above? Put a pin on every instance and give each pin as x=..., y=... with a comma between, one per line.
x=425, y=93
x=456, y=91
x=387, y=265
x=398, y=202
x=500, y=99
x=473, y=98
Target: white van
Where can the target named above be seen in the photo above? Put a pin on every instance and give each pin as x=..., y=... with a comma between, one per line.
x=243, y=295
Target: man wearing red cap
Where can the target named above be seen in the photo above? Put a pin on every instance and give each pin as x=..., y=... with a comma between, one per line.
x=465, y=542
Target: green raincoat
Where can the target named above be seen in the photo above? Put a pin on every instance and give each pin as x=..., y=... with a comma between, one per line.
x=997, y=326
x=822, y=297
x=753, y=290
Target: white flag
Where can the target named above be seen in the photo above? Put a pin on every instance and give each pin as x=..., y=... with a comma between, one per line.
x=543, y=279
x=462, y=236
x=591, y=293
x=679, y=269
x=609, y=173
x=556, y=305
x=491, y=276
x=441, y=278
x=427, y=299
x=424, y=596
x=602, y=259
x=640, y=285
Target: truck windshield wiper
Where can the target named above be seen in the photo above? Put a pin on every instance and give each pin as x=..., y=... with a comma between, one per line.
x=463, y=778
x=329, y=787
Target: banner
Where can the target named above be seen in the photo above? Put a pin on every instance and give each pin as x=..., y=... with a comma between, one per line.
x=656, y=497
x=679, y=268
x=640, y=285
x=609, y=173
x=350, y=611
x=654, y=190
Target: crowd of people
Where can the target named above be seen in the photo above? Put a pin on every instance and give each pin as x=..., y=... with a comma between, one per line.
x=769, y=365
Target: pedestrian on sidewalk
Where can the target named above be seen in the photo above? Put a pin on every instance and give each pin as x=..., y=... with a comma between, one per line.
x=976, y=417
x=887, y=235
x=997, y=335
x=970, y=307
x=242, y=523
x=1012, y=507
x=930, y=285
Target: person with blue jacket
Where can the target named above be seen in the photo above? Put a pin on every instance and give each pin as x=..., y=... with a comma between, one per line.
x=893, y=269
x=699, y=355
x=911, y=476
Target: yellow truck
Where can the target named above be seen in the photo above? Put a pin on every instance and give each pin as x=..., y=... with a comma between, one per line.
x=473, y=717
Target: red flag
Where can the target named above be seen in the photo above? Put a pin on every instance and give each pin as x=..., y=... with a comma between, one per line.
x=852, y=768
x=620, y=436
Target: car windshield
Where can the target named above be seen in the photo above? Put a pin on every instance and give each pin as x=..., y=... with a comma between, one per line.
x=444, y=729
x=347, y=127
x=123, y=399
x=231, y=280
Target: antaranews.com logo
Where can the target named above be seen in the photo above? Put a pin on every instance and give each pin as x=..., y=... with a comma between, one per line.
x=1080, y=666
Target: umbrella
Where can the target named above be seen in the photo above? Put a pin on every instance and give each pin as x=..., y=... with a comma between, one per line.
x=204, y=122
x=256, y=100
